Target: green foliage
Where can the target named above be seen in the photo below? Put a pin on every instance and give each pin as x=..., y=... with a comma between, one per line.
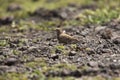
x=3, y=43
x=39, y=75
x=54, y=78
x=61, y=66
x=13, y=76
x=95, y=78
x=15, y=52
x=37, y=62
x=98, y=16
x=60, y=47
x=116, y=78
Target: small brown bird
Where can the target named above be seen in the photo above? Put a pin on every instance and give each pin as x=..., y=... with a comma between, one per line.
x=65, y=38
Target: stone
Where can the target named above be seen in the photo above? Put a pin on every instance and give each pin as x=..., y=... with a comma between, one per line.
x=11, y=61
x=72, y=53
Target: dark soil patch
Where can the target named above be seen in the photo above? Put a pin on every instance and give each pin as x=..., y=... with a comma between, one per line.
x=66, y=13
x=6, y=20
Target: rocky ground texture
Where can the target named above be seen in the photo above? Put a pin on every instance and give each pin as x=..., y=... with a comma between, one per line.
x=36, y=54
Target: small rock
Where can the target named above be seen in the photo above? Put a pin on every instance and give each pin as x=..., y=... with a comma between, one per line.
x=1, y=52
x=3, y=69
x=54, y=56
x=45, y=13
x=85, y=32
x=6, y=20
x=12, y=69
x=76, y=73
x=93, y=64
x=116, y=40
x=52, y=73
x=58, y=51
x=99, y=28
x=12, y=45
x=14, y=7
x=114, y=66
x=23, y=48
x=90, y=72
x=65, y=73
x=51, y=43
x=90, y=51
x=72, y=53
x=11, y=61
x=106, y=34
x=114, y=60
x=106, y=50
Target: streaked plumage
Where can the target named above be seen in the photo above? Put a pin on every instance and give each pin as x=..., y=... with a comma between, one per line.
x=65, y=38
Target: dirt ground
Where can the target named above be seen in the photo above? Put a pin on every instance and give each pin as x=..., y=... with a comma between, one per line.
x=36, y=54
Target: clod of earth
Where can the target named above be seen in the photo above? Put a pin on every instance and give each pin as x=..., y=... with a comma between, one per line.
x=11, y=61
x=14, y=7
x=6, y=20
x=65, y=38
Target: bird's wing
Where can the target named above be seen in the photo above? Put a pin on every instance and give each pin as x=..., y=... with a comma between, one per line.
x=67, y=37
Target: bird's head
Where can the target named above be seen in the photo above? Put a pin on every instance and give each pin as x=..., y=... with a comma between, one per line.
x=59, y=31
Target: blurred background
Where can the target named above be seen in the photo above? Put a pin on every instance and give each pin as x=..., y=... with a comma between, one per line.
x=52, y=12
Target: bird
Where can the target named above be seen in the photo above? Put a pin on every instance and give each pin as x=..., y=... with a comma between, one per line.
x=65, y=38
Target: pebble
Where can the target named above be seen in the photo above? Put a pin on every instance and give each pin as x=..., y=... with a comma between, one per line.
x=93, y=64
x=54, y=56
x=6, y=20
x=14, y=7
x=114, y=66
x=106, y=34
x=11, y=61
x=72, y=53
x=116, y=40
